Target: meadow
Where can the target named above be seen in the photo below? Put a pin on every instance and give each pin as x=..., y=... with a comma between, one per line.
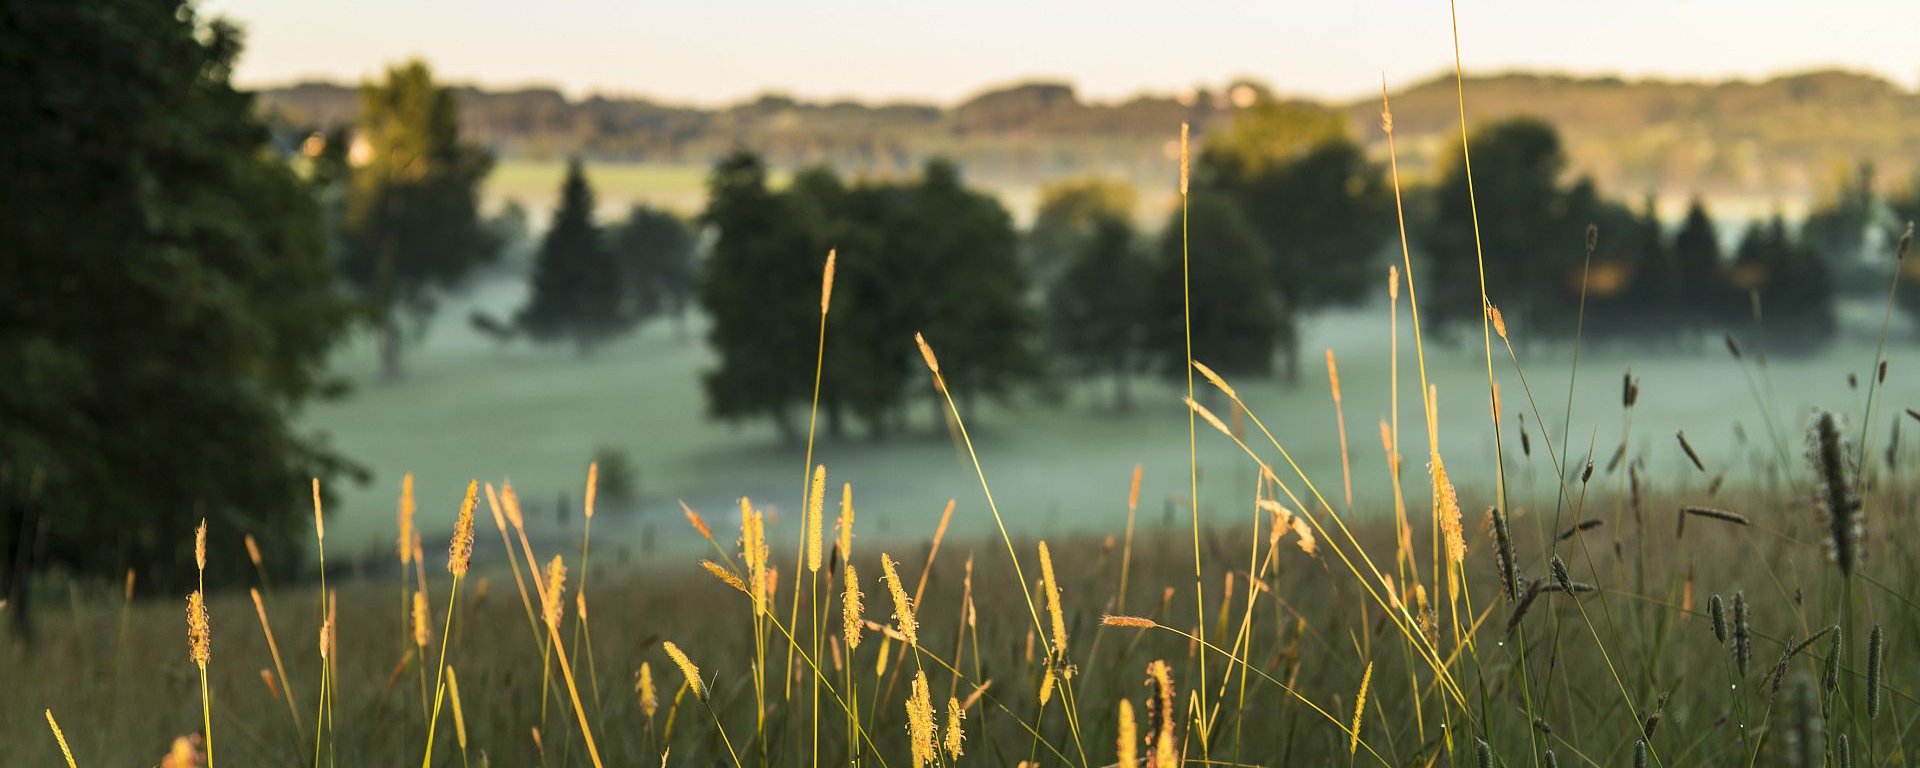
x=1369, y=568
x=1660, y=611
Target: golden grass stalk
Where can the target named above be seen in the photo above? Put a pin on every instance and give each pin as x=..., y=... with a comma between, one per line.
x=691, y=672
x=200, y=545
x=1136, y=622
x=200, y=649
x=1340, y=421
x=459, y=715
x=1359, y=711
x=273, y=647
x=699, y=523
x=920, y=721
x=955, y=736
x=902, y=607
x=1127, y=745
x=816, y=504
x=1126, y=550
x=1054, y=614
x=61, y=738
x=649, y=698
x=850, y=609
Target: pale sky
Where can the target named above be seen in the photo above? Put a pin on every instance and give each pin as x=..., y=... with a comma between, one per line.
x=719, y=51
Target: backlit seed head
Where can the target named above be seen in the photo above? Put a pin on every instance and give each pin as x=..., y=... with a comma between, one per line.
x=199, y=631
x=422, y=631
x=460, y=549
x=687, y=668
x=850, y=608
x=902, y=607
x=649, y=698
x=920, y=720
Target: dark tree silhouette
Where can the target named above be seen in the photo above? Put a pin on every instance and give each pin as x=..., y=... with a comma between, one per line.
x=166, y=304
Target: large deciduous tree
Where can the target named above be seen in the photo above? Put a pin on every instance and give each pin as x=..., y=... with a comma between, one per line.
x=411, y=228
x=166, y=303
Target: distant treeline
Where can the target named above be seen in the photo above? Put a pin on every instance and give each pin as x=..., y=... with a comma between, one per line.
x=1286, y=216
x=1781, y=136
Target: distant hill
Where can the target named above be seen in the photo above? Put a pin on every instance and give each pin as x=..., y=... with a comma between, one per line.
x=1784, y=138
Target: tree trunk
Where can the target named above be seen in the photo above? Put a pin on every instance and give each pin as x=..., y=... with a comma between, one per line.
x=19, y=571
x=1290, y=352
x=1122, y=395
x=390, y=342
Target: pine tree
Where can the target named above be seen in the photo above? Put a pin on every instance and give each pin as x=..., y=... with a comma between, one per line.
x=1702, y=288
x=578, y=290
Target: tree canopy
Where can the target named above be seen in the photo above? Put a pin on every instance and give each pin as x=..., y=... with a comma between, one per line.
x=166, y=303
x=411, y=228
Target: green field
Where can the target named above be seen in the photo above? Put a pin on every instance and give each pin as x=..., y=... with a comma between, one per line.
x=469, y=407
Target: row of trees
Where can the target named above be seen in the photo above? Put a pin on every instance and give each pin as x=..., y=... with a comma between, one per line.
x=1286, y=216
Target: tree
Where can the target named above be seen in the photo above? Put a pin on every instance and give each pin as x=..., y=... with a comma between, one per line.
x=1530, y=233
x=579, y=293
x=412, y=226
x=1701, y=282
x=1319, y=213
x=1792, y=283
x=1098, y=307
x=1236, y=320
x=1838, y=227
x=166, y=303
x=1066, y=219
x=759, y=290
x=655, y=250
x=970, y=287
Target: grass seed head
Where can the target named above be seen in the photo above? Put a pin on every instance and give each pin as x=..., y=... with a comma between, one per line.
x=850, y=608
x=460, y=548
x=1054, y=614
x=816, y=513
x=955, y=736
x=422, y=631
x=554, y=604
x=687, y=668
x=920, y=721
x=643, y=685
x=1127, y=746
x=902, y=607
x=200, y=545
x=405, y=520
x=199, y=632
